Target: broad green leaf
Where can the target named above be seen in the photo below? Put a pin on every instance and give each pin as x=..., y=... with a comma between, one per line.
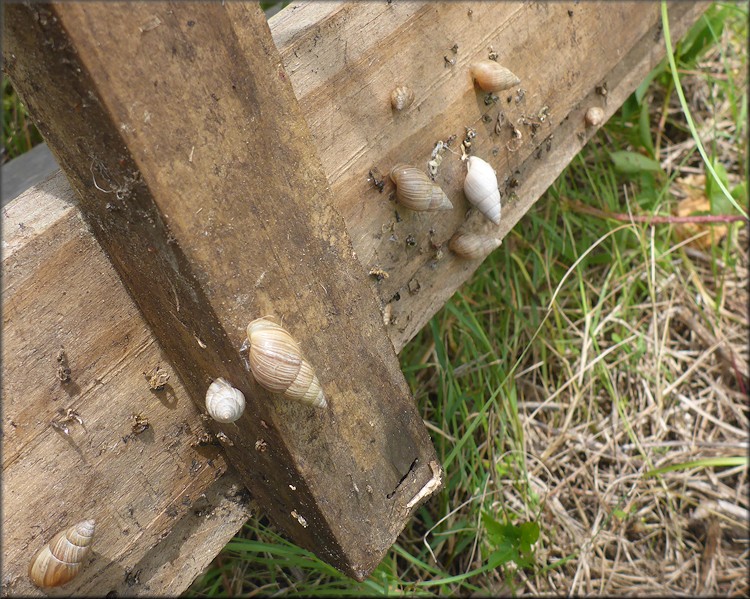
x=632, y=162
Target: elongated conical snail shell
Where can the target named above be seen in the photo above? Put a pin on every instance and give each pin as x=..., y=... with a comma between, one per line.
x=480, y=188
x=492, y=77
x=223, y=402
x=401, y=97
x=470, y=246
x=60, y=560
x=277, y=363
x=415, y=190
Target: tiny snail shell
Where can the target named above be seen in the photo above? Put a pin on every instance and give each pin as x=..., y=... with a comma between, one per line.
x=480, y=188
x=402, y=97
x=60, y=560
x=594, y=116
x=223, y=402
x=278, y=365
x=492, y=77
x=470, y=246
x=415, y=190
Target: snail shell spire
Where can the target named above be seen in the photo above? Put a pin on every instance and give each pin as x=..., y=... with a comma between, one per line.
x=416, y=191
x=60, y=560
x=278, y=365
x=480, y=188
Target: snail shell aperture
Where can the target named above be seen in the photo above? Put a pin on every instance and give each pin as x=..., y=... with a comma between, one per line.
x=480, y=188
x=223, y=402
x=415, y=190
x=402, y=97
x=594, y=116
x=492, y=77
x=278, y=365
x=60, y=560
x=471, y=246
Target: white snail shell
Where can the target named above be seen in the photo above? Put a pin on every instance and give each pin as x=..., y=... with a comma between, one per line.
x=402, y=97
x=470, y=245
x=492, y=77
x=60, y=560
x=278, y=365
x=415, y=190
x=480, y=188
x=223, y=402
x=594, y=116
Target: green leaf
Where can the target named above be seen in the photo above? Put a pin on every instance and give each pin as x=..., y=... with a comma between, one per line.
x=720, y=204
x=716, y=462
x=739, y=192
x=629, y=108
x=632, y=162
x=641, y=90
x=644, y=126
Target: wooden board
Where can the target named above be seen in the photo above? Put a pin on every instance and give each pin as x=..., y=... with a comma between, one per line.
x=626, y=70
x=562, y=51
x=210, y=226
x=60, y=291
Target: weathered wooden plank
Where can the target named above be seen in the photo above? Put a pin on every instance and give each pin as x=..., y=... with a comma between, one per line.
x=59, y=289
x=561, y=51
x=631, y=66
x=210, y=202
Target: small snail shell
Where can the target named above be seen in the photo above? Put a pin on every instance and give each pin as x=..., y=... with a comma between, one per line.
x=415, y=190
x=480, y=188
x=277, y=363
x=223, y=402
x=492, y=77
x=470, y=246
x=402, y=97
x=594, y=116
x=60, y=560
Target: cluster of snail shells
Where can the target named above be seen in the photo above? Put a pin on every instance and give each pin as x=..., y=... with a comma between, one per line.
x=60, y=560
x=224, y=403
x=416, y=191
x=278, y=365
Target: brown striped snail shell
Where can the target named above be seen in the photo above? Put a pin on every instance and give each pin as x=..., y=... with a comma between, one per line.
x=594, y=116
x=402, y=97
x=223, y=402
x=415, y=190
x=471, y=246
x=60, y=560
x=492, y=77
x=480, y=188
x=278, y=365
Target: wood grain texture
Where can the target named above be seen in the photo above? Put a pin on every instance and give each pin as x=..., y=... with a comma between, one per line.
x=214, y=210
x=59, y=290
x=561, y=51
x=39, y=214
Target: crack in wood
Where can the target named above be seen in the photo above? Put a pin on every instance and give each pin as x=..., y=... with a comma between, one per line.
x=403, y=478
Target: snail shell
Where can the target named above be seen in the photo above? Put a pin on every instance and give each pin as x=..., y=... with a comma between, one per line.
x=470, y=246
x=480, y=188
x=492, y=77
x=60, y=560
x=415, y=190
x=402, y=97
x=223, y=402
x=594, y=116
x=277, y=363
